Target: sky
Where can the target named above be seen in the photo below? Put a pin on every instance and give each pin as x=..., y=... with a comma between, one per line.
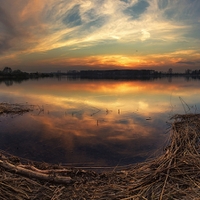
x=52, y=35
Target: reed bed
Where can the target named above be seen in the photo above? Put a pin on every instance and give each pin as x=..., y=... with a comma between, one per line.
x=7, y=108
x=173, y=175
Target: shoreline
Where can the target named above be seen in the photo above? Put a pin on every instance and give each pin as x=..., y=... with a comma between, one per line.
x=173, y=175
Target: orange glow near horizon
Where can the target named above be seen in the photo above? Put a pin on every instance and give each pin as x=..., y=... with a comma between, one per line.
x=115, y=61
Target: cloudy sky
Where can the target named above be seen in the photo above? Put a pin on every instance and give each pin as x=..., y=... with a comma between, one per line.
x=51, y=35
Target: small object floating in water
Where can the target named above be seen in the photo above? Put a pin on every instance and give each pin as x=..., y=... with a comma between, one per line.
x=149, y=118
x=108, y=111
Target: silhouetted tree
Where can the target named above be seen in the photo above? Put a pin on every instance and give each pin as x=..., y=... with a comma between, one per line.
x=7, y=70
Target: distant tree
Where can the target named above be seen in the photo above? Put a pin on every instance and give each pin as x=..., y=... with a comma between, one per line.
x=187, y=71
x=17, y=72
x=170, y=71
x=7, y=70
x=196, y=72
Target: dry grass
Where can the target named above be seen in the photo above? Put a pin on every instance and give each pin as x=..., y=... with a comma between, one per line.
x=173, y=175
x=6, y=108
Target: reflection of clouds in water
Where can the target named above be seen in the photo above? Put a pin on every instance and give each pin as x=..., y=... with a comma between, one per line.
x=72, y=128
x=143, y=105
x=122, y=121
x=114, y=134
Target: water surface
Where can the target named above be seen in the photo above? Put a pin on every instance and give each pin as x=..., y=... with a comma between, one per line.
x=93, y=122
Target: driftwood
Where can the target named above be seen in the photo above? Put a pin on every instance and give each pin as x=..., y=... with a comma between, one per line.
x=35, y=173
x=54, y=171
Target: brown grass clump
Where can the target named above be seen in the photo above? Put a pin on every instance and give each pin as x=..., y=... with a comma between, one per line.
x=173, y=175
x=7, y=108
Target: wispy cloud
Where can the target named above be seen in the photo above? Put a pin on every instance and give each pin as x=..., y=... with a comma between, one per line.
x=186, y=62
x=41, y=26
x=8, y=31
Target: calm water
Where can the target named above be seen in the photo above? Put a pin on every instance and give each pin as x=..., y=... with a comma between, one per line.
x=96, y=123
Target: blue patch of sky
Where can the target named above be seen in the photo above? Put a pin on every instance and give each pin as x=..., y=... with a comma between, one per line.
x=187, y=13
x=96, y=23
x=73, y=18
x=90, y=13
x=99, y=22
x=137, y=9
x=193, y=33
x=87, y=26
x=126, y=1
x=94, y=20
x=162, y=4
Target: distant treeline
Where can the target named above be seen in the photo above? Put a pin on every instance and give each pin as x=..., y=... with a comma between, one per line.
x=130, y=74
x=116, y=74
x=8, y=73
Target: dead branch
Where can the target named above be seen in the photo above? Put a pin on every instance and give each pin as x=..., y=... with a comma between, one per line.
x=34, y=174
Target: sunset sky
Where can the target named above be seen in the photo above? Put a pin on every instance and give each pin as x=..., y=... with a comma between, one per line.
x=51, y=35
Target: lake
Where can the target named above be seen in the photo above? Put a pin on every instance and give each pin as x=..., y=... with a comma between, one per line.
x=93, y=122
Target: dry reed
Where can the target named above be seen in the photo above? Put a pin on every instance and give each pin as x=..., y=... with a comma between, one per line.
x=7, y=108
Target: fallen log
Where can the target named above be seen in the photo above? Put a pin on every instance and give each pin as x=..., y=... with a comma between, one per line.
x=44, y=171
x=35, y=174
